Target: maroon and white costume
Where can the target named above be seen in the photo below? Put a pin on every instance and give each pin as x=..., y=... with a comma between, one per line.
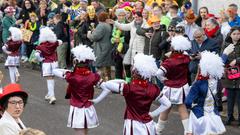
x=49, y=54
x=11, y=48
x=139, y=95
x=82, y=112
x=46, y=53
x=81, y=82
x=174, y=73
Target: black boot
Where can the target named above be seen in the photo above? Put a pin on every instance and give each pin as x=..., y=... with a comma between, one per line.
x=238, y=120
x=229, y=120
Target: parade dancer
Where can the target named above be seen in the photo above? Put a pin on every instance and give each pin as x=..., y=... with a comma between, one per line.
x=204, y=117
x=173, y=73
x=82, y=115
x=139, y=95
x=46, y=53
x=11, y=48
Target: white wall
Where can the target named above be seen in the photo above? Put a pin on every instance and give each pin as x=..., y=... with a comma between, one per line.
x=215, y=6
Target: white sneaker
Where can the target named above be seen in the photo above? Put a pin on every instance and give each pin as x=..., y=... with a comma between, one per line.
x=47, y=97
x=24, y=59
x=52, y=100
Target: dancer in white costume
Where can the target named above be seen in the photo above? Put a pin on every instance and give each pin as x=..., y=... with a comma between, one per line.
x=204, y=118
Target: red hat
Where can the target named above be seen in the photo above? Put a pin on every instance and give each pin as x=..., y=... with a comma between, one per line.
x=12, y=88
x=9, y=9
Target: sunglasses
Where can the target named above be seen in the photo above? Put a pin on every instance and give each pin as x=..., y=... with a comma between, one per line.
x=171, y=30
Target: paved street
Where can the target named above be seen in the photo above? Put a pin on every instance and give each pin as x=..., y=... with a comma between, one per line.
x=53, y=118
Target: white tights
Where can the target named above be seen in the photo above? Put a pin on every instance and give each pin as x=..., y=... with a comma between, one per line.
x=13, y=72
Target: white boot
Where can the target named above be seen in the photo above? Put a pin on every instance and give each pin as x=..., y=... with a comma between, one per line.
x=50, y=96
x=160, y=126
x=185, y=126
x=52, y=100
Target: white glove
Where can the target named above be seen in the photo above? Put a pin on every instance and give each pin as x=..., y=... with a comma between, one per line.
x=229, y=49
x=38, y=57
x=60, y=42
x=160, y=75
x=4, y=48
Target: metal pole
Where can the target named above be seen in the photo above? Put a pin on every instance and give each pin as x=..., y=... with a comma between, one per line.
x=195, y=5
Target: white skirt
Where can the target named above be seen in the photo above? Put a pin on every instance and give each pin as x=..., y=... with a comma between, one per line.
x=176, y=95
x=82, y=117
x=47, y=68
x=139, y=128
x=12, y=61
x=208, y=124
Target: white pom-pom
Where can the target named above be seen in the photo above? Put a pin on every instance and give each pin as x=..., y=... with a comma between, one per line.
x=180, y=43
x=211, y=65
x=83, y=53
x=16, y=34
x=145, y=65
x=46, y=34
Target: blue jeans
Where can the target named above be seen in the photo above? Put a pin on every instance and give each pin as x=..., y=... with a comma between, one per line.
x=159, y=83
x=23, y=50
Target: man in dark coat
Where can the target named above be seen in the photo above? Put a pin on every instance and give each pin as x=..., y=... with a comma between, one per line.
x=200, y=43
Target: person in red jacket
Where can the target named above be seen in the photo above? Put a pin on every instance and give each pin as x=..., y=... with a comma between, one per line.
x=11, y=48
x=46, y=53
x=174, y=74
x=81, y=80
x=139, y=94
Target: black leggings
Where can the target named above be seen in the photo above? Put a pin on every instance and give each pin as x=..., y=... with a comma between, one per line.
x=128, y=70
x=233, y=94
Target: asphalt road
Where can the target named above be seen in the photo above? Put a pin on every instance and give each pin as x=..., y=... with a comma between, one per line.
x=52, y=119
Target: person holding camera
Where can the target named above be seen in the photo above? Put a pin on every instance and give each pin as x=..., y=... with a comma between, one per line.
x=154, y=35
x=200, y=43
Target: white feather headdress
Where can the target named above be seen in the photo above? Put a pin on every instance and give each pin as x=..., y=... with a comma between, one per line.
x=145, y=65
x=16, y=34
x=46, y=34
x=180, y=43
x=211, y=64
x=83, y=53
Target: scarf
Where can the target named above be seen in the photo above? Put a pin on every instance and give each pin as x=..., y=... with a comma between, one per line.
x=34, y=27
x=212, y=32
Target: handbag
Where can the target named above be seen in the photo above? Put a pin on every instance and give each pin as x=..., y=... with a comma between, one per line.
x=27, y=35
x=233, y=72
